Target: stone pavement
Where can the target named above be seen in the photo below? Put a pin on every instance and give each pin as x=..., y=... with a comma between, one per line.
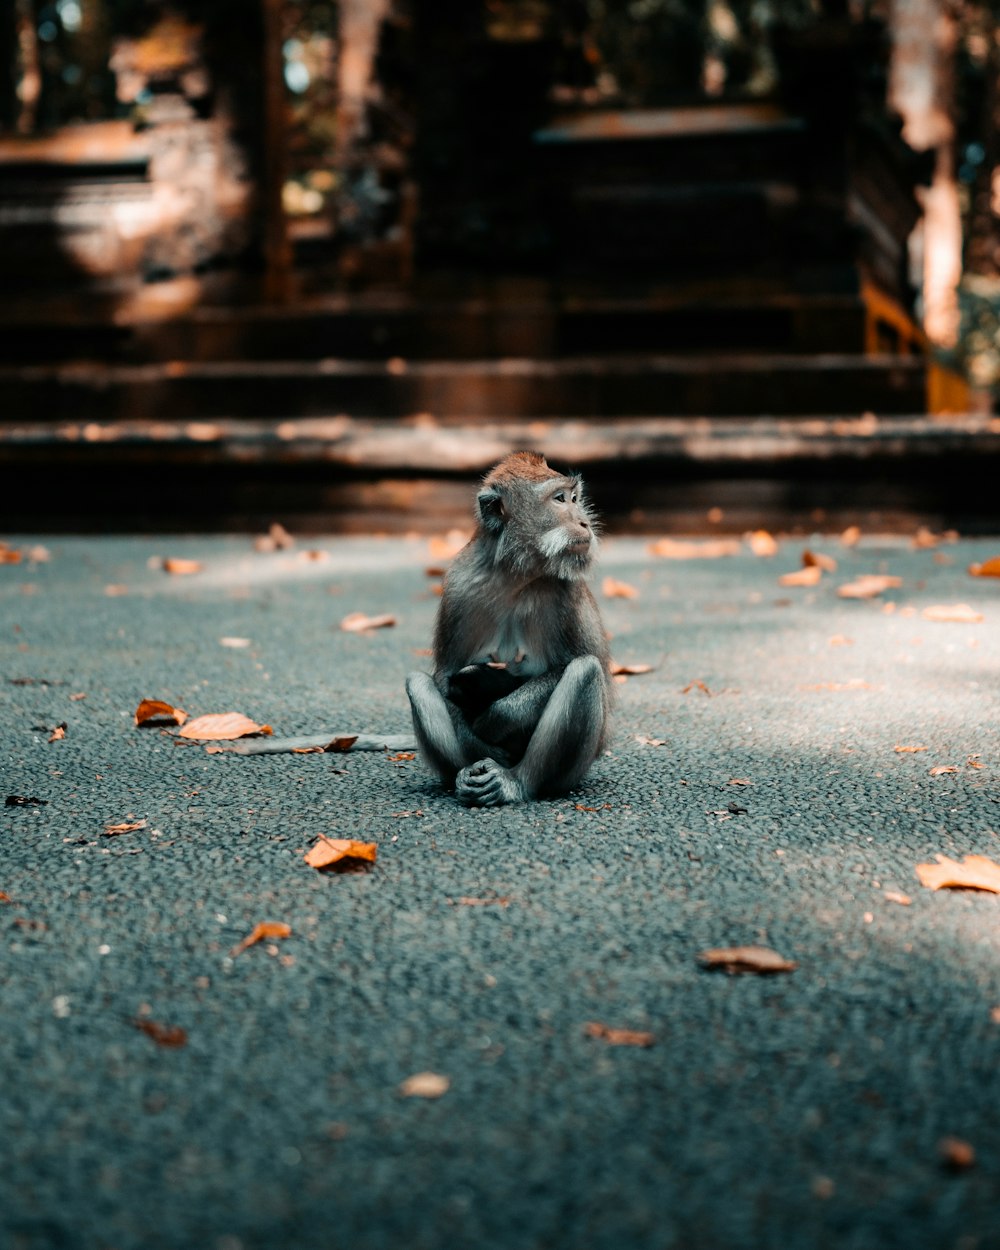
x=754, y=793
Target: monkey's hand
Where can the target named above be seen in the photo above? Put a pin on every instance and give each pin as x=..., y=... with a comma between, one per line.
x=476, y=687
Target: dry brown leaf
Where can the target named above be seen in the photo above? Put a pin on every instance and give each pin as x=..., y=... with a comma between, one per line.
x=424, y=1085
x=75, y=698
x=908, y=750
x=697, y=549
x=645, y=741
x=974, y=872
x=401, y=757
x=941, y=769
x=498, y=900
x=851, y=536
x=611, y=588
x=162, y=1034
x=5, y=897
x=180, y=566
x=266, y=930
x=988, y=568
x=746, y=959
x=856, y=683
x=150, y=710
x=841, y=640
x=618, y=1037
x=739, y=781
x=128, y=826
x=629, y=670
x=58, y=733
x=9, y=556
x=341, y=854
x=963, y=613
x=816, y=559
x=341, y=745
x=222, y=726
x=868, y=586
x=895, y=896
x=808, y=575
x=359, y=623
x=956, y=1154
x=277, y=538
x=697, y=684
x=762, y=543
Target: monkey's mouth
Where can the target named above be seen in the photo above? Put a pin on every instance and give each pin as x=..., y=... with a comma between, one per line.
x=580, y=548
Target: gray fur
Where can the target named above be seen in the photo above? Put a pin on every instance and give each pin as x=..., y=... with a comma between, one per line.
x=516, y=596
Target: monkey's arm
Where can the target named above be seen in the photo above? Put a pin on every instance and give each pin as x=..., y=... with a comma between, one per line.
x=477, y=686
x=510, y=721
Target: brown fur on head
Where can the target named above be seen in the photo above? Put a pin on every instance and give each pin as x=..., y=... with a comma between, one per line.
x=524, y=466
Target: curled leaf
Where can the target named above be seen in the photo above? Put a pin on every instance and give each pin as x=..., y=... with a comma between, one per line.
x=974, y=872
x=181, y=567
x=152, y=710
x=629, y=670
x=908, y=750
x=128, y=826
x=816, y=559
x=341, y=854
x=988, y=568
x=424, y=1085
x=868, y=586
x=956, y=1154
x=941, y=769
x=734, y=959
x=162, y=1034
x=959, y=612
x=808, y=575
x=267, y=929
x=224, y=726
x=359, y=623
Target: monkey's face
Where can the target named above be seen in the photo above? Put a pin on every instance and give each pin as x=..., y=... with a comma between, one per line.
x=539, y=528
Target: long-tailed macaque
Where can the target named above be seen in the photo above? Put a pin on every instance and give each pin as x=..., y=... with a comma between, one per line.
x=518, y=704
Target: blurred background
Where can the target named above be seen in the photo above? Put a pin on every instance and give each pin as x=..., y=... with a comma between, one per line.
x=327, y=260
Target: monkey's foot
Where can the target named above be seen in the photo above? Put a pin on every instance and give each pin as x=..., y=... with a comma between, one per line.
x=486, y=784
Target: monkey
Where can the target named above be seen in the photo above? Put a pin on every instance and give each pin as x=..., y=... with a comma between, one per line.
x=519, y=702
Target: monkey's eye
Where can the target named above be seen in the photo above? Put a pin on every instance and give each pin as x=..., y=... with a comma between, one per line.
x=573, y=497
x=561, y=497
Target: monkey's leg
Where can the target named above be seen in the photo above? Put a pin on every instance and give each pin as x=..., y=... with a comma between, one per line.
x=562, y=747
x=445, y=741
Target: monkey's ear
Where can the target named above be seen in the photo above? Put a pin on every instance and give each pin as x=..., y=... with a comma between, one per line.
x=491, y=510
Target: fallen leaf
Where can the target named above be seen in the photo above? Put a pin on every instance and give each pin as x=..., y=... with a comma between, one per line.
x=162, y=1034
x=960, y=612
x=111, y=831
x=446, y=547
x=923, y=539
x=58, y=733
x=234, y=642
x=700, y=549
x=851, y=536
x=629, y=670
x=856, y=683
x=644, y=741
x=908, y=750
x=739, y=781
x=941, y=769
x=841, y=640
x=150, y=710
x=341, y=745
x=697, y=684
x=618, y=1037
x=116, y=591
x=746, y=959
x=75, y=698
x=762, y=543
x=260, y=933
x=499, y=900
x=808, y=575
x=277, y=538
x=974, y=872
x=895, y=896
x=868, y=586
x=995, y=1015
x=435, y=570
x=956, y=1154
x=424, y=1085
x=403, y=755
x=816, y=559
x=9, y=556
x=359, y=623
x=5, y=897
x=611, y=588
x=582, y=807
x=341, y=854
x=224, y=726
x=181, y=567
x=988, y=568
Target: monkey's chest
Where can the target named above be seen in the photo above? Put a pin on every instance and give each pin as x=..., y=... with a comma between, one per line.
x=513, y=642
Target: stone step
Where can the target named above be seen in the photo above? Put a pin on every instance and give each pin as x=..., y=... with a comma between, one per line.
x=605, y=386
x=372, y=328
x=344, y=474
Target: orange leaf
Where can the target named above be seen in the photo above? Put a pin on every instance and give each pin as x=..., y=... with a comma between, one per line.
x=629, y=670
x=702, y=549
x=988, y=568
x=424, y=1085
x=697, y=684
x=403, y=755
x=841, y=640
x=499, y=900
x=894, y=896
x=223, y=725
x=9, y=556
x=155, y=710
x=345, y=852
x=5, y=897
x=975, y=872
x=868, y=585
x=618, y=1037
x=358, y=623
x=908, y=750
x=746, y=959
x=261, y=932
x=162, y=1034
x=111, y=831
x=808, y=575
x=941, y=769
x=816, y=559
x=960, y=612
x=762, y=543
x=856, y=683
x=615, y=589
x=181, y=567
x=956, y=1154
x=851, y=536
x=58, y=733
